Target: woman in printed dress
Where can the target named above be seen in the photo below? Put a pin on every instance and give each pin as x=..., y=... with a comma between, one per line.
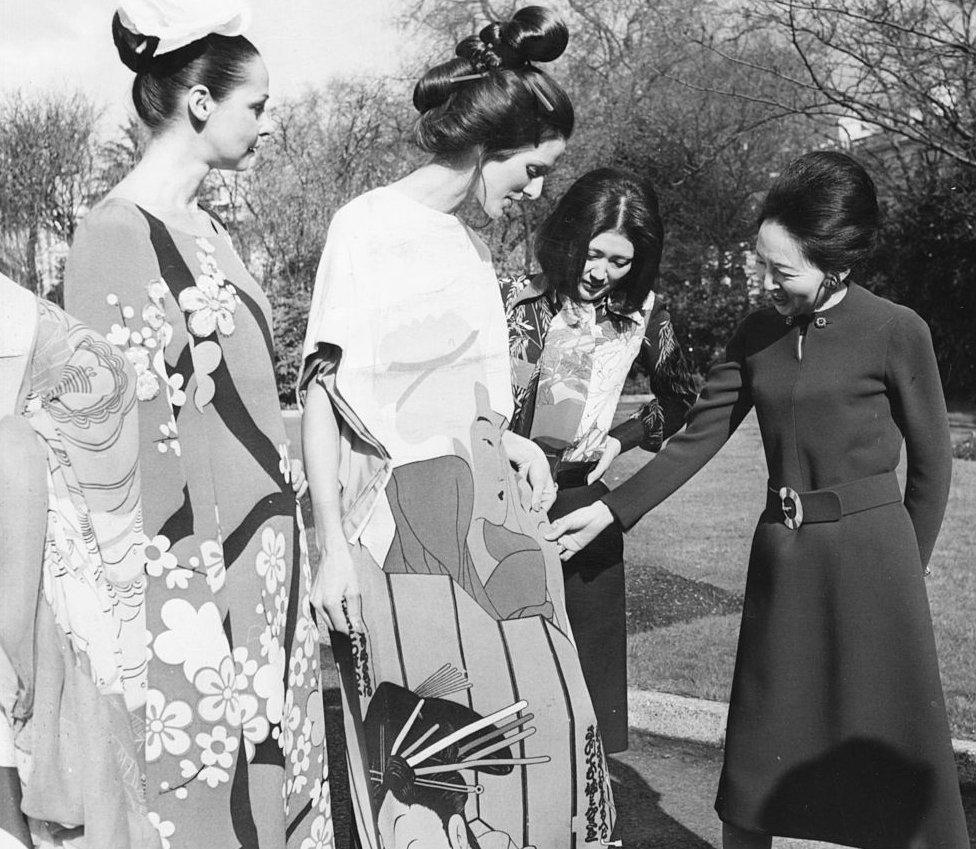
x=574, y=332
x=234, y=716
x=467, y=717
x=72, y=586
x=837, y=727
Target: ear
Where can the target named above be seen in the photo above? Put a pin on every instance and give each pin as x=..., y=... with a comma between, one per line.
x=200, y=103
x=457, y=832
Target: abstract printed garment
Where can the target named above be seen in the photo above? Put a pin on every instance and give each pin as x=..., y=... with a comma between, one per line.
x=72, y=629
x=235, y=735
x=467, y=717
x=569, y=365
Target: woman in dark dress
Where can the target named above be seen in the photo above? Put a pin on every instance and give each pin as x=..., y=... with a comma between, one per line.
x=837, y=727
x=574, y=332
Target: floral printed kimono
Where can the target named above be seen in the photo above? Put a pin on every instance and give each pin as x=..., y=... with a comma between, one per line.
x=235, y=735
x=72, y=615
x=467, y=717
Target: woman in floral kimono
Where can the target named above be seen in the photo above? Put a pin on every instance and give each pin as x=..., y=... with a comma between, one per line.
x=72, y=586
x=235, y=736
x=574, y=332
x=467, y=717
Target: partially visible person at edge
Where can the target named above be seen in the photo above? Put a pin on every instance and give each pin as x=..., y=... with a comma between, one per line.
x=235, y=740
x=574, y=331
x=837, y=727
x=72, y=586
x=433, y=572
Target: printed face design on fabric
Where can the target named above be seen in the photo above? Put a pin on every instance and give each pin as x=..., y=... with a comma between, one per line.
x=425, y=754
x=487, y=549
x=609, y=257
x=789, y=279
x=520, y=176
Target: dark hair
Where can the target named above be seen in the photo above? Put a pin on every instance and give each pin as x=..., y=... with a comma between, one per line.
x=506, y=103
x=606, y=199
x=828, y=203
x=218, y=62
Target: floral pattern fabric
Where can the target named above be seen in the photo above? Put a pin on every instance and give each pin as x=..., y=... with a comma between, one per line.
x=234, y=722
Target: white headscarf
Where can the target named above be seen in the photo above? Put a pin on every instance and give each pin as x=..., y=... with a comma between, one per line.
x=178, y=22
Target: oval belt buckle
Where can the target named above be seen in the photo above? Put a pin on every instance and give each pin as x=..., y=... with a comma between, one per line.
x=792, y=508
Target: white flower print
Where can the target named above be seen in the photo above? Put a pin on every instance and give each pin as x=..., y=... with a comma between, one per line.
x=320, y=795
x=118, y=335
x=165, y=828
x=270, y=561
x=297, y=668
x=205, y=245
x=213, y=560
x=320, y=835
x=220, y=701
x=217, y=755
x=178, y=578
x=158, y=556
x=291, y=719
x=170, y=438
x=269, y=681
x=210, y=305
x=244, y=667
x=157, y=290
x=164, y=726
x=301, y=755
x=254, y=726
x=298, y=784
x=306, y=632
x=154, y=316
x=194, y=637
x=177, y=397
x=187, y=768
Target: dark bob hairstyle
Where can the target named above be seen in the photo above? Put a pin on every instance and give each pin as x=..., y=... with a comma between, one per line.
x=491, y=95
x=218, y=62
x=828, y=203
x=603, y=200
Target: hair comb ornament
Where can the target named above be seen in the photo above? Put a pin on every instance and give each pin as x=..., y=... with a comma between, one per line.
x=177, y=23
x=468, y=77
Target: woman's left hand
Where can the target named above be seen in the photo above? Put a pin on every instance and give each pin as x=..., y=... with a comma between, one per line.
x=578, y=529
x=533, y=466
x=299, y=482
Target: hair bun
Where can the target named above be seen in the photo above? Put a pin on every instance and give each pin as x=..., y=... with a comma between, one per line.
x=535, y=34
x=135, y=50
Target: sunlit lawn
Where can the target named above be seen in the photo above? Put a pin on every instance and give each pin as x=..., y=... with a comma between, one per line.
x=703, y=533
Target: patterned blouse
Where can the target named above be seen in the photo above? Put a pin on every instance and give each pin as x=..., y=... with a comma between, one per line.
x=569, y=364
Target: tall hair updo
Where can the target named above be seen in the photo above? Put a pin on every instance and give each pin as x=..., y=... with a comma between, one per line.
x=602, y=200
x=828, y=203
x=218, y=62
x=491, y=95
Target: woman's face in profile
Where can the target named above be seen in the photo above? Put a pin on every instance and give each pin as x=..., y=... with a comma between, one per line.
x=238, y=122
x=517, y=177
x=609, y=258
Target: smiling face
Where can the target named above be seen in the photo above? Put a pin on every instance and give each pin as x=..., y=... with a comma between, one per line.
x=517, y=177
x=790, y=281
x=237, y=123
x=609, y=258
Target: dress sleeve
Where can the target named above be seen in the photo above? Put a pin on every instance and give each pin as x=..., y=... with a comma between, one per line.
x=671, y=383
x=918, y=406
x=113, y=285
x=724, y=403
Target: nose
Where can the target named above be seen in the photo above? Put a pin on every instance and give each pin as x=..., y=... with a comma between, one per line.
x=597, y=270
x=264, y=126
x=768, y=283
x=534, y=188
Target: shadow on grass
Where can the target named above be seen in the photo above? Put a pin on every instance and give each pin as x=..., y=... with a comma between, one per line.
x=657, y=597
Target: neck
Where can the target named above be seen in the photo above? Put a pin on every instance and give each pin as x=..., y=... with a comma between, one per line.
x=443, y=184
x=168, y=177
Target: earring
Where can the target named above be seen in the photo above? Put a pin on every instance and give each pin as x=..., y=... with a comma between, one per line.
x=832, y=281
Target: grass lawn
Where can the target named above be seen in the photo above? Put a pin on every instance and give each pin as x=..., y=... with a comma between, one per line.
x=703, y=533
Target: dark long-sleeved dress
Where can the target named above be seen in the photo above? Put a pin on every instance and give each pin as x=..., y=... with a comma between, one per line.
x=569, y=363
x=837, y=728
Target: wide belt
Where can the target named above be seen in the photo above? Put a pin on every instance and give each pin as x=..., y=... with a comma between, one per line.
x=835, y=502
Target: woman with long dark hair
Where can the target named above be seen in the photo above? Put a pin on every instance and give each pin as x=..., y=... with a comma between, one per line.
x=235, y=730
x=837, y=727
x=575, y=329
x=432, y=572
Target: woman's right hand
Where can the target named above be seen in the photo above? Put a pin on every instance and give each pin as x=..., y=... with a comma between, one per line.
x=336, y=594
